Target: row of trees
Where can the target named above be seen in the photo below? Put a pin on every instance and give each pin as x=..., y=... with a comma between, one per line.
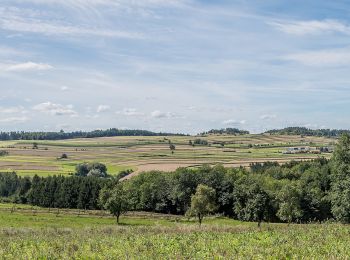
x=228, y=131
x=53, y=191
x=308, y=132
x=293, y=192
x=77, y=134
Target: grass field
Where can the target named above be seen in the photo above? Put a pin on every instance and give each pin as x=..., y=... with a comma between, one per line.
x=34, y=233
x=150, y=153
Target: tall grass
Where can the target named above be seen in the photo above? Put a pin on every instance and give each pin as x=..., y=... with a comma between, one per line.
x=37, y=233
x=177, y=242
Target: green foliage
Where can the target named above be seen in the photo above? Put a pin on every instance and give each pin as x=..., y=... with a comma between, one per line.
x=91, y=169
x=58, y=191
x=78, y=134
x=3, y=153
x=289, y=203
x=340, y=192
x=202, y=202
x=172, y=147
x=115, y=200
x=228, y=131
x=124, y=173
x=199, y=141
x=251, y=201
x=308, y=132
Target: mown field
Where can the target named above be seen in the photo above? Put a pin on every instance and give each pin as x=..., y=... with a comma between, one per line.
x=34, y=233
x=150, y=153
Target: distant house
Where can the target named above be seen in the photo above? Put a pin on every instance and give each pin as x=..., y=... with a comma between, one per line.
x=314, y=150
x=296, y=150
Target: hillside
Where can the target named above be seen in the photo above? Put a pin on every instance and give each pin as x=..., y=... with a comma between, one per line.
x=308, y=132
x=145, y=153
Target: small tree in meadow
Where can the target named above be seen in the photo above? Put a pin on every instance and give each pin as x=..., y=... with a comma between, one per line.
x=202, y=202
x=115, y=200
x=172, y=148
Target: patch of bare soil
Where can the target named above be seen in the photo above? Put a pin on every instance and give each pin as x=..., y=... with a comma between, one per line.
x=169, y=167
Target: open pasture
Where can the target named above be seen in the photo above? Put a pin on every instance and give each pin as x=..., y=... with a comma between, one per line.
x=142, y=153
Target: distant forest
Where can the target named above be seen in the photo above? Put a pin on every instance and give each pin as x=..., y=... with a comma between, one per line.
x=228, y=131
x=61, y=135
x=78, y=134
x=308, y=132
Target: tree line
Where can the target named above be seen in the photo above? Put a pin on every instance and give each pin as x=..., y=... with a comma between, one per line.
x=308, y=132
x=306, y=191
x=52, y=191
x=61, y=135
x=228, y=131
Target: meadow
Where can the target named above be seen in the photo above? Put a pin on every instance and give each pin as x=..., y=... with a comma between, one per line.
x=151, y=153
x=36, y=233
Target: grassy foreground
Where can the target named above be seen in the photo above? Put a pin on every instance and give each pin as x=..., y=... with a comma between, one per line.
x=38, y=234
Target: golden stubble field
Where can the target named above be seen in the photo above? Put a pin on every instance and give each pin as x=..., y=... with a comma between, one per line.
x=142, y=153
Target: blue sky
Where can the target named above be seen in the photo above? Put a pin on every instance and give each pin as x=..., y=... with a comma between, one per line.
x=174, y=65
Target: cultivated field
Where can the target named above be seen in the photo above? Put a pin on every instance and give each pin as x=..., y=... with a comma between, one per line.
x=150, y=153
x=35, y=233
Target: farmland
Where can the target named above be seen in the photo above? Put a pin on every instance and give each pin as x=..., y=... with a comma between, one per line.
x=151, y=152
x=29, y=233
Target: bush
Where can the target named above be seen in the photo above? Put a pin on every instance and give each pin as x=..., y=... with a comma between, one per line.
x=3, y=153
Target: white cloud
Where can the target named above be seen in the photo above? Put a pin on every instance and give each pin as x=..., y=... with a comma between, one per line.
x=333, y=57
x=234, y=122
x=64, y=88
x=268, y=117
x=159, y=114
x=12, y=110
x=28, y=21
x=103, y=108
x=28, y=66
x=311, y=27
x=55, y=109
x=130, y=112
x=14, y=120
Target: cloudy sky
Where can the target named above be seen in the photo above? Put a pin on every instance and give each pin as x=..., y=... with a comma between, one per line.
x=174, y=65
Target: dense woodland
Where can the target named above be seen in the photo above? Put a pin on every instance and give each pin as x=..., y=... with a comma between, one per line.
x=61, y=135
x=308, y=132
x=306, y=191
x=228, y=131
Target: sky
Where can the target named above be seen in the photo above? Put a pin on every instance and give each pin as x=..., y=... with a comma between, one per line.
x=174, y=65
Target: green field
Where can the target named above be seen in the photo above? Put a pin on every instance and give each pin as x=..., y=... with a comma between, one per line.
x=150, y=153
x=34, y=233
